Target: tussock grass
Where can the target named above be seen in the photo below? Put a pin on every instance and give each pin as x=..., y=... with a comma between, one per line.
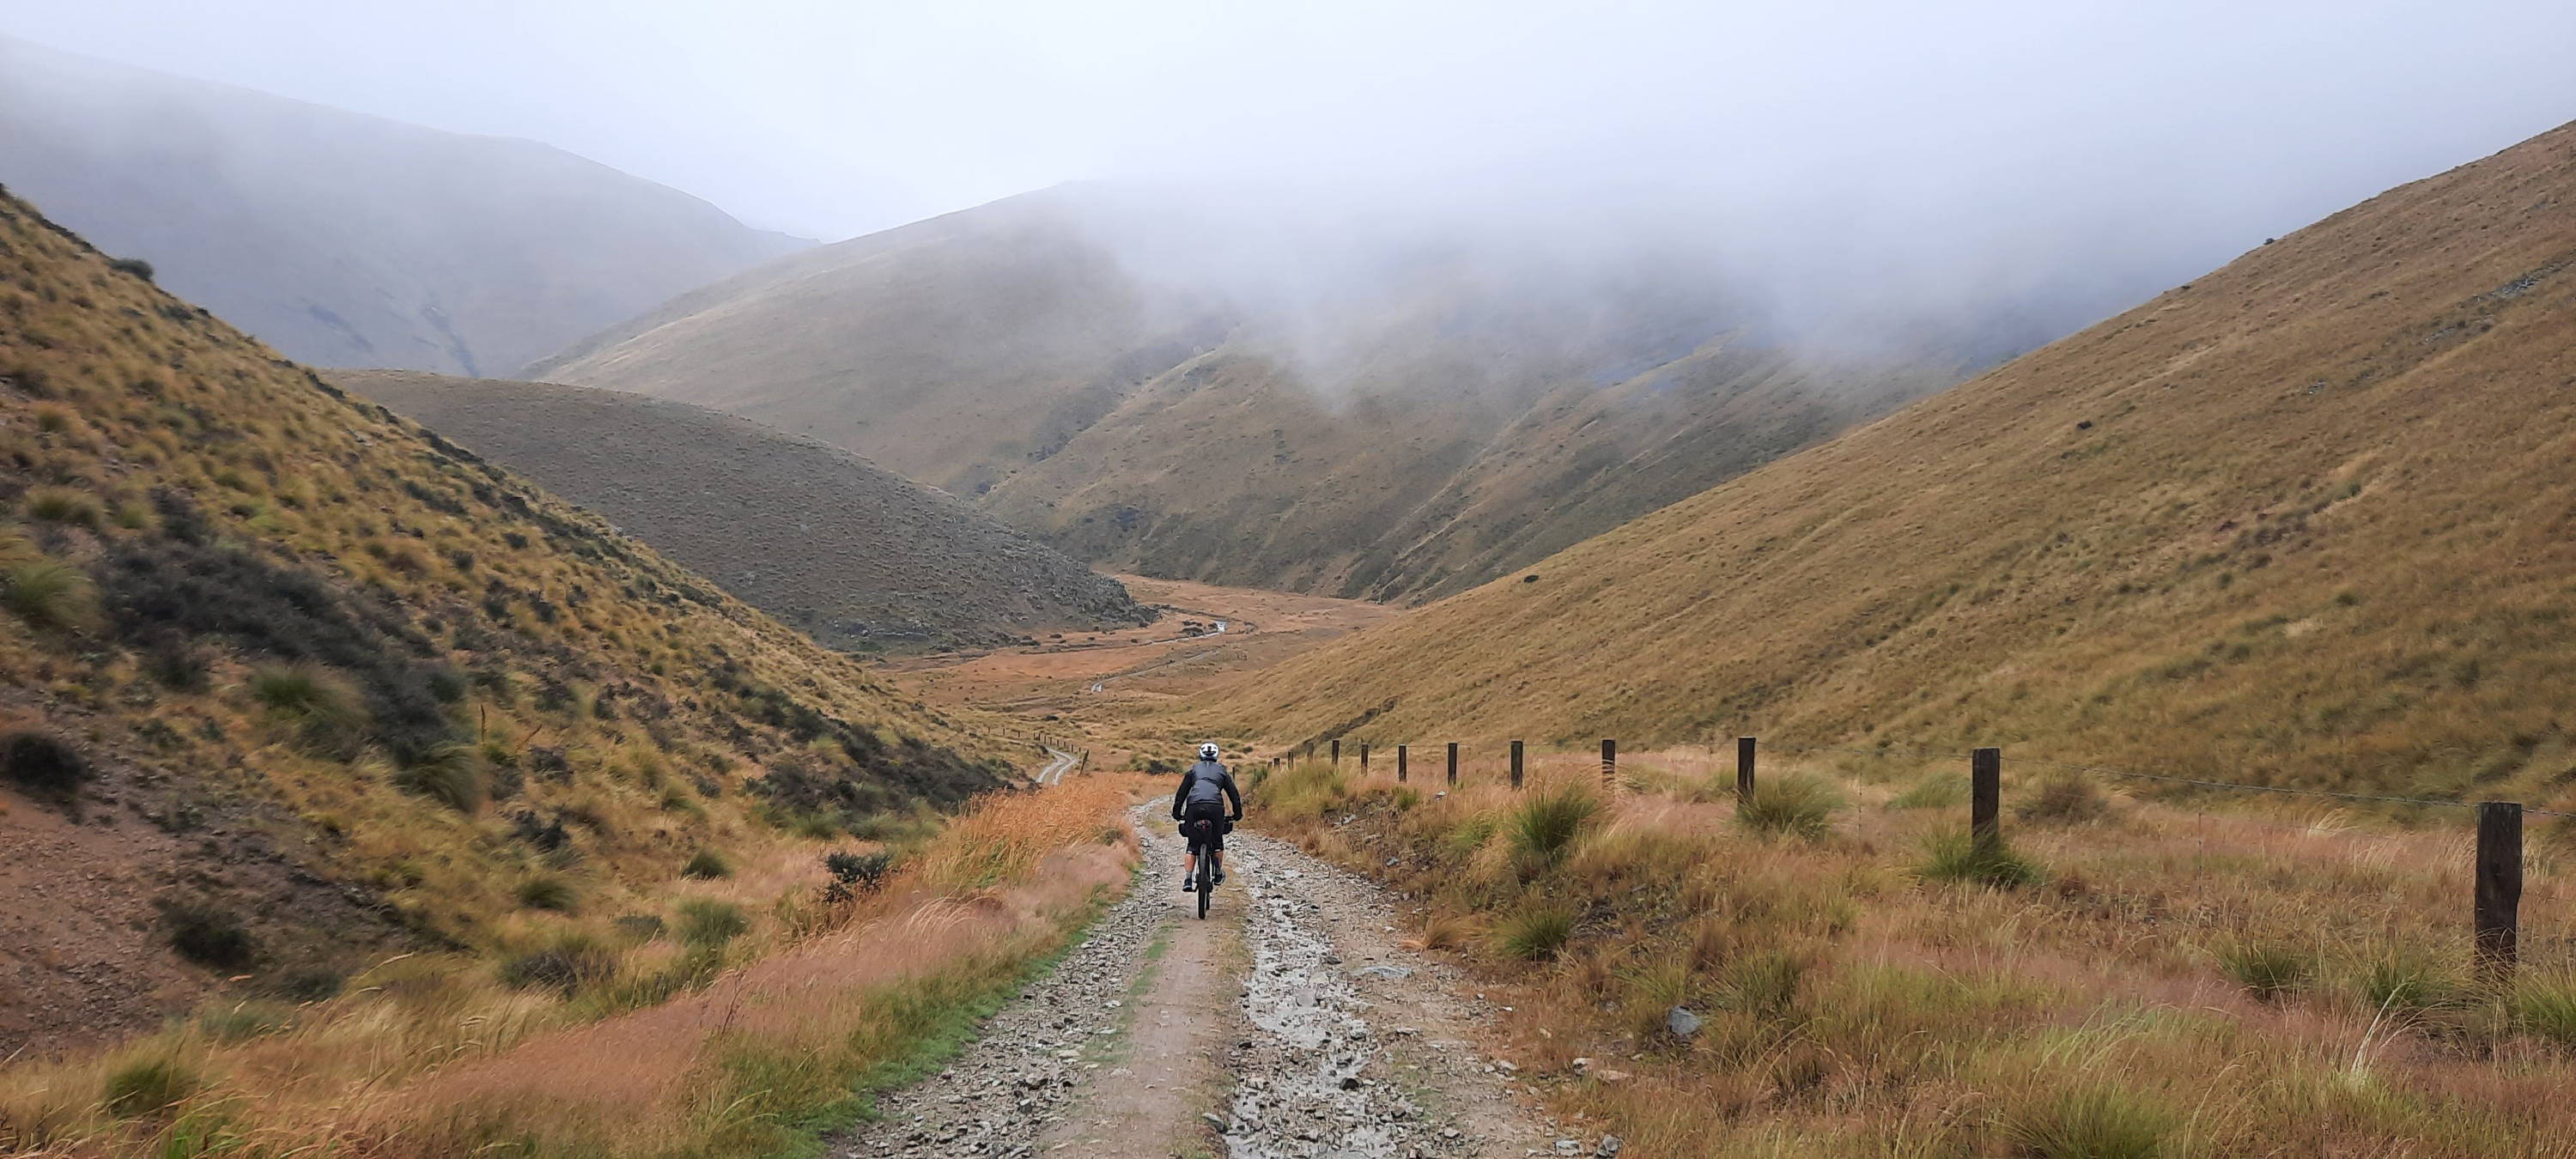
x=451, y=774
x=2092, y=1122
x=1932, y=791
x=707, y=865
x=148, y=1084
x=1796, y=804
x=1536, y=930
x=2267, y=970
x=549, y=893
x=64, y=505
x=1960, y=857
x=1545, y=826
x=49, y=595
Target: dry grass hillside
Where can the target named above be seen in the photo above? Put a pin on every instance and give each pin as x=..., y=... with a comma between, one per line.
x=1409, y=434
x=2304, y=520
x=288, y=685
x=347, y=240
x=852, y=554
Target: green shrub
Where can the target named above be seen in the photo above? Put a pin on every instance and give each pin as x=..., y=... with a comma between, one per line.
x=65, y=505
x=2096, y=1122
x=135, y=266
x=1797, y=804
x=41, y=763
x=707, y=864
x=857, y=873
x=1961, y=857
x=709, y=923
x=2066, y=799
x=1545, y=825
x=450, y=774
x=2268, y=972
x=50, y=595
x=324, y=710
x=549, y=893
x=206, y=933
x=147, y=1086
x=1534, y=931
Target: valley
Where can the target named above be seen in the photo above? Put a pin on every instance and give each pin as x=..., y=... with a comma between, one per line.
x=1703, y=665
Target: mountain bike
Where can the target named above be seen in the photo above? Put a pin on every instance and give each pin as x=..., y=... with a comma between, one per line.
x=1207, y=870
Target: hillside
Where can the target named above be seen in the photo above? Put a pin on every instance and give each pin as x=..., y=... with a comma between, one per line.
x=855, y=556
x=1407, y=431
x=2304, y=519
x=346, y=240
x=288, y=684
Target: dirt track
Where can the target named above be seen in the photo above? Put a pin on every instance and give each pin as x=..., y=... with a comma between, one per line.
x=1289, y=1024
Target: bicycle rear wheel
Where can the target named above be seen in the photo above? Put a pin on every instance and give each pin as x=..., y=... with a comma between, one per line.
x=1207, y=879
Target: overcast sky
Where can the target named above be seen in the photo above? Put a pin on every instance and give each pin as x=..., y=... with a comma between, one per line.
x=834, y=118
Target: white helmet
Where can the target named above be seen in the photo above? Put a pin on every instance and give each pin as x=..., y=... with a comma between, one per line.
x=1207, y=751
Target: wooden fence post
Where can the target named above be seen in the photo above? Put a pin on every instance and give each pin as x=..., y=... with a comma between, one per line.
x=1363, y=760
x=1453, y=764
x=1337, y=752
x=1516, y=764
x=1399, y=764
x=1985, y=796
x=2497, y=914
x=1609, y=765
x=1743, y=771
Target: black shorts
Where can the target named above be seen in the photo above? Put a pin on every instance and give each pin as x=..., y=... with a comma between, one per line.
x=1211, y=834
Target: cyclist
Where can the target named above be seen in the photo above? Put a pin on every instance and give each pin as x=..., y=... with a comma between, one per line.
x=1206, y=791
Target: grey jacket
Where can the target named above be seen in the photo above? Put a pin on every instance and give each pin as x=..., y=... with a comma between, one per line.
x=1206, y=783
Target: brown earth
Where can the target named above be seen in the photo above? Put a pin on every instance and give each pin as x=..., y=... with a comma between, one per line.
x=853, y=555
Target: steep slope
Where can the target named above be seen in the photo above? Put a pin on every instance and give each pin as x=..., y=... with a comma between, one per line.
x=345, y=240
x=1408, y=429
x=286, y=682
x=852, y=554
x=2305, y=519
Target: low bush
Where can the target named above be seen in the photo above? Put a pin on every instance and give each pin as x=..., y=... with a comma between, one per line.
x=49, y=595
x=708, y=923
x=41, y=763
x=567, y=966
x=147, y=1085
x=707, y=864
x=549, y=893
x=207, y=933
x=1798, y=804
x=1961, y=857
x=1544, y=826
x=856, y=873
x=135, y=266
x=322, y=708
x=1535, y=931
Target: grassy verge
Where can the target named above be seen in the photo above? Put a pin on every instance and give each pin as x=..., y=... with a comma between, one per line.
x=2120, y=978
x=758, y=1057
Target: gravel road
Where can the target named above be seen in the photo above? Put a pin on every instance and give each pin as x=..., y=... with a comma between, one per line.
x=1320, y=1037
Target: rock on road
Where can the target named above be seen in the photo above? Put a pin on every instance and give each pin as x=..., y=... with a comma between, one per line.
x=1289, y=1025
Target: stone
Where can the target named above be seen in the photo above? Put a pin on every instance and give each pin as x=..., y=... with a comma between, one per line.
x=1681, y=1022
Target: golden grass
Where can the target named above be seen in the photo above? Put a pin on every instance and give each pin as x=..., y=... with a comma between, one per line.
x=2291, y=980
x=431, y=1058
x=2300, y=521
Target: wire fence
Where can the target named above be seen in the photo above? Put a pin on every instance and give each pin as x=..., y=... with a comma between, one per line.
x=2496, y=865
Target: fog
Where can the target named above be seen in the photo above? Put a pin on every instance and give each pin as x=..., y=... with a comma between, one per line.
x=2006, y=169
